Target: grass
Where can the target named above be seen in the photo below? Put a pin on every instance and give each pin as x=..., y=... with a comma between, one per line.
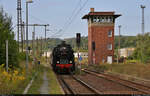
x=38, y=80
x=23, y=86
x=53, y=83
x=136, y=70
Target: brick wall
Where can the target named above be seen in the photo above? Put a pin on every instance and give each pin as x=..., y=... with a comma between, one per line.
x=99, y=34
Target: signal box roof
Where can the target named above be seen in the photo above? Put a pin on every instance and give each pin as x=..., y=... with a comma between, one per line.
x=92, y=13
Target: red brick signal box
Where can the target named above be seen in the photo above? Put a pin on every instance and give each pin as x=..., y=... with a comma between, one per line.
x=100, y=36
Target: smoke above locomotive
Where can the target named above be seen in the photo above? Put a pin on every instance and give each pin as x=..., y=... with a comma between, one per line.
x=63, y=58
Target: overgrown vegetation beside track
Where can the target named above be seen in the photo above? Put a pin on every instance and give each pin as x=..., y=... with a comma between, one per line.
x=14, y=81
x=131, y=67
x=38, y=80
x=54, y=87
x=136, y=70
x=53, y=83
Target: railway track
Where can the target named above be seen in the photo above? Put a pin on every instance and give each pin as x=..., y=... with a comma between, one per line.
x=138, y=88
x=73, y=85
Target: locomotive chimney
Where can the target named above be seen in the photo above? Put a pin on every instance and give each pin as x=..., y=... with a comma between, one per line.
x=92, y=9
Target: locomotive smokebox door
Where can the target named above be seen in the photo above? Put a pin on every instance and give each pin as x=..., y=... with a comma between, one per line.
x=78, y=41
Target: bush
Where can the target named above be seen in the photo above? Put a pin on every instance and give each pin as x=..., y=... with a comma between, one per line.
x=10, y=81
x=6, y=33
x=22, y=56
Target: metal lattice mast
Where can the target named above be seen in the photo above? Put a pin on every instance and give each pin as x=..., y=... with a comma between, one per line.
x=19, y=24
x=143, y=30
x=143, y=26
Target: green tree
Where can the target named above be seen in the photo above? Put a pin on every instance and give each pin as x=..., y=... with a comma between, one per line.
x=6, y=33
x=125, y=41
x=142, y=51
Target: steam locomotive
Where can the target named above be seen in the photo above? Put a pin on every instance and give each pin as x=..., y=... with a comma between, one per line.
x=63, y=58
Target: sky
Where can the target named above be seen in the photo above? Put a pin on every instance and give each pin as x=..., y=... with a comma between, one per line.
x=64, y=16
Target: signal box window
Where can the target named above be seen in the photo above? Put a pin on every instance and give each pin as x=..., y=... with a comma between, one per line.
x=110, y=33
x=109, y=46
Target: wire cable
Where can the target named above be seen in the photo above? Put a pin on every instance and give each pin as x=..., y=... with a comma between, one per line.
x=71, y=21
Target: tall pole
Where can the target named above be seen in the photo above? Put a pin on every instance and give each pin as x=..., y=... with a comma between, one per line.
x=19, y=22
x=37, y=48
x=46, y=41
x=27, y=51
x=7, y=55
x=18, y=3
x=27, y=36
x=33, y=44
x=78, y=59
x=41, y=47
x=143, y=27
x=119, y=44
x=21, y=37
x=45, y=44
x=78, y=41
x=23, y=30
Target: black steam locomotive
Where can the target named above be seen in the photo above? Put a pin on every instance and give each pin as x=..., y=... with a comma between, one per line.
x=63, y=58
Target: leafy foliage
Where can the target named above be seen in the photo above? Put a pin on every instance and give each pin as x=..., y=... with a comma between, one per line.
x=10, y=81
x=125, y=41
x=142, y=51
x=6, y=33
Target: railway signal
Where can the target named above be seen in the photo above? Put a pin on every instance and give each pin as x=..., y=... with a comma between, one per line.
x=78, y=41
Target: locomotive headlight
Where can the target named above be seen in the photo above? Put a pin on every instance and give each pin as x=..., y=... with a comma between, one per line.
x=57, y=61
x=70, y=61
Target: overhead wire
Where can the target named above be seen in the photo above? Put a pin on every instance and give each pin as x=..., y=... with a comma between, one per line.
x=52, y=30
x=75, y=12
x=38, y=19
x=74, y=17
x=66, y=23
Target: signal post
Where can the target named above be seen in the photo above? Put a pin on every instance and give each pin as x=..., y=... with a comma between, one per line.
x=78, y=41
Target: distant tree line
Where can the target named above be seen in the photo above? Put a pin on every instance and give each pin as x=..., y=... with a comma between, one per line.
x=140, y=43
x=126, y=41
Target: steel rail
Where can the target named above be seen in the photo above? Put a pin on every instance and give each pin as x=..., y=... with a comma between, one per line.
x=121, y=81
x=66, y=85
x=87, y=85
x=80, y=82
